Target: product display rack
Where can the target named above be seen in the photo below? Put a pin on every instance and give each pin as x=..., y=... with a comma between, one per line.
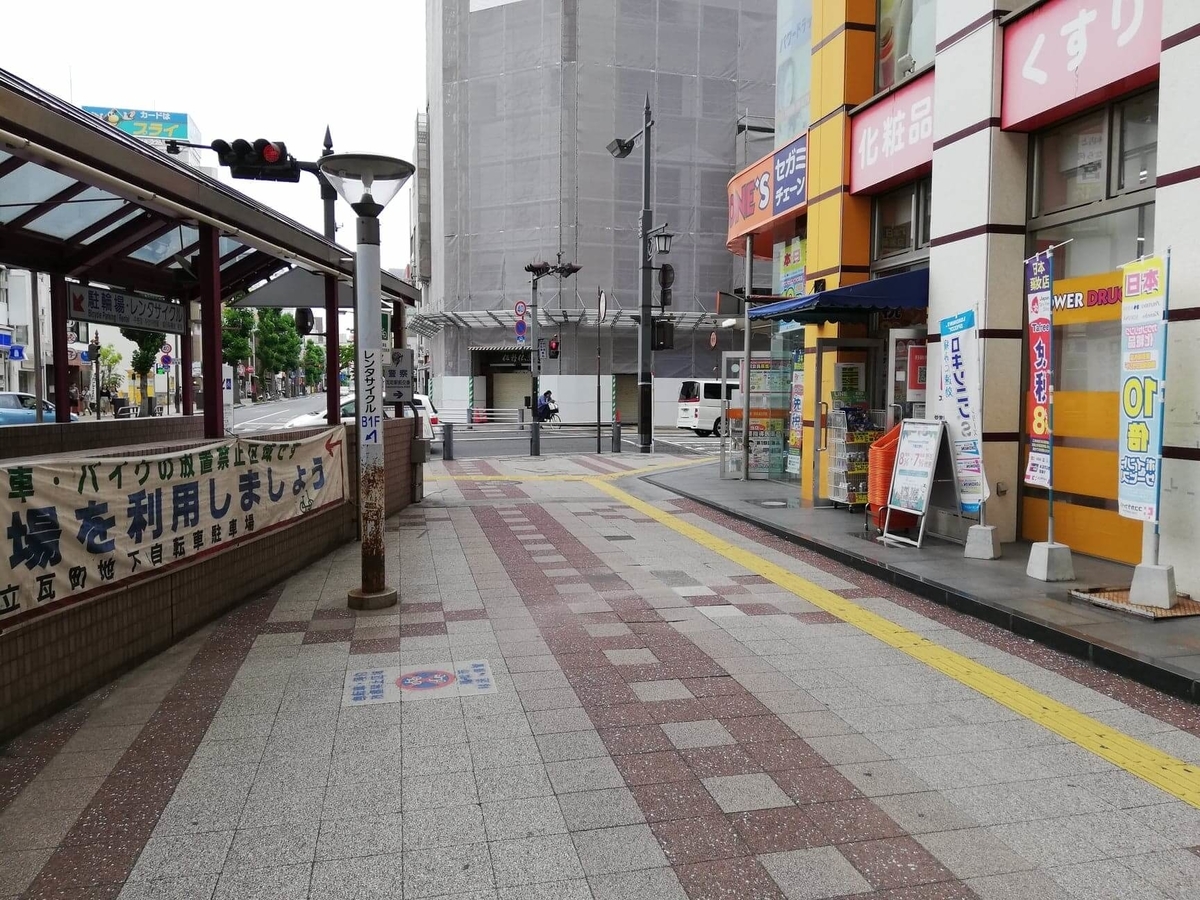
x=851, y=432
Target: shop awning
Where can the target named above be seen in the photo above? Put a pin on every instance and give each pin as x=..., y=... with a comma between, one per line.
x=909, y=290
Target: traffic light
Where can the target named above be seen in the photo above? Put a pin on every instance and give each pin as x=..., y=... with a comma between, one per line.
x=663, y=337
x=304, y=321
x=666, y=278
x=261, y=161
x=553, y=351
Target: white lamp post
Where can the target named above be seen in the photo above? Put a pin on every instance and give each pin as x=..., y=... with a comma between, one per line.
x=367, y=183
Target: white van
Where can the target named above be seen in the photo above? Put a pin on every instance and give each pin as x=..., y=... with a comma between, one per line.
x=700, y=407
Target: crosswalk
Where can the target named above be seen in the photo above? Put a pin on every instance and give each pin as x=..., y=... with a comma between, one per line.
x=681, y=441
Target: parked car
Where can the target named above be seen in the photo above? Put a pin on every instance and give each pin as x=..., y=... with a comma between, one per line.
x=420, y=402
x=17, y=408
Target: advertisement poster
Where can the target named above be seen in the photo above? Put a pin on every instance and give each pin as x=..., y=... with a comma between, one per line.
x=793, y=69
x=791, y=276
x=796, y=415
x=79, y=526
x=960, y=406
x=916, y=460
x=918, y=372
x=1143, y=372
x=1039, y=290
x=770, y=388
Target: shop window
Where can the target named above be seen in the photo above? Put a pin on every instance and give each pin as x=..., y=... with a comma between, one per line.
x=1099, y=244
x=1103, y=154
x=902, y=220
x=1136, y=132
x=905, y=39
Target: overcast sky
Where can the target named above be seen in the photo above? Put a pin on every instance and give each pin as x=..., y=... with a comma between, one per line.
x=246, y=70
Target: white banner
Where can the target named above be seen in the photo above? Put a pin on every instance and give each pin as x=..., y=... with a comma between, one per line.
x=960, y=406
x=76, y=527
x=93, y=304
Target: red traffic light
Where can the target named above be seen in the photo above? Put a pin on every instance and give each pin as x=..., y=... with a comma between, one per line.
x=270, y=153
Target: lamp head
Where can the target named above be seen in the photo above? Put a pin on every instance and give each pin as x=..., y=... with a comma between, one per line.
x=364, y=180
x=662, y=241
x=620, y=148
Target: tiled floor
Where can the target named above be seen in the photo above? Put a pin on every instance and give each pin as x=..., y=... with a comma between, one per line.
x=664, y=724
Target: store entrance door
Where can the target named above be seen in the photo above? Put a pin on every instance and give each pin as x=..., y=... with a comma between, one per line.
x=854, y=364
x=907, y=369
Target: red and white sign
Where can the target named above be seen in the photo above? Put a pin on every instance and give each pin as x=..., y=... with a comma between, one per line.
x=893, y=138
x=1071, y=54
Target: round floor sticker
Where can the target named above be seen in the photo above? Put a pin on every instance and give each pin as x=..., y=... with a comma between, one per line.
x=425, y=680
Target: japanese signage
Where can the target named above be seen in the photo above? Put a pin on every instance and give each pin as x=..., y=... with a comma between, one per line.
x=1039, y=290
x=917, y=372
x=1143, y=372
x=960, y=408
x=93, y=304
x=774, y=185
x=1069, y=54
x=791, y=176
x=144, y=123
x=916, y=460
x=370, y=417
x=398, y=377
x=792, y=267
x=79, y=526
x=796, y=414
x=429, y=681
x=894, y=137
x=793, y=68
x=1088, y=298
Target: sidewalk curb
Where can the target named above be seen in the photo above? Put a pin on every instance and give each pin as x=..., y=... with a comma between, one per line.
x=1154, y=673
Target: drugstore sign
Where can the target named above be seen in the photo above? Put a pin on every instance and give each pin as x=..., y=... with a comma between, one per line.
x=1067, y=55
x=1091, y=298
x=893, y=138
x=775, y=187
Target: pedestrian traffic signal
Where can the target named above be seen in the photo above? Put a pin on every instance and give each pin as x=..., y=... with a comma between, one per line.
x=663, y=336
x=553, y=351
x=261, y=161
x=666, y=278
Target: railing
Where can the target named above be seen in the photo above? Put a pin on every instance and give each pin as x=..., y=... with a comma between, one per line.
x=480, y=415
x=570, y=437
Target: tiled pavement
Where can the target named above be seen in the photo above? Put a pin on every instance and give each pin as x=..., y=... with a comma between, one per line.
x=665, y=724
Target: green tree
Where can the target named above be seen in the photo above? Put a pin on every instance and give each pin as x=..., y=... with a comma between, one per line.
x=149, y=343
x=278, y=343
x=345, y=357
x=237, y=325
x=110, y=376
x=313, y=363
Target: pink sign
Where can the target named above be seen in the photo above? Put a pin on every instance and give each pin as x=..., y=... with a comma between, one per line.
x=1071, y=54
x=894, y=137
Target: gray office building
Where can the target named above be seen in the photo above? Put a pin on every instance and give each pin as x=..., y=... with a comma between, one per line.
x=524, y=96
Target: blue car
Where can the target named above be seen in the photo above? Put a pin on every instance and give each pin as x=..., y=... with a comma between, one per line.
x=21, y=409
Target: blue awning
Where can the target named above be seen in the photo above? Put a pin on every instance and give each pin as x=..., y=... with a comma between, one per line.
x=909, y=290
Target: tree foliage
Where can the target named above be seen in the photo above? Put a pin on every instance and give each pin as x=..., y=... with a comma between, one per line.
x=278, y=342
x=313, y=362
x=345, y=356
x=237, y=325
x=110, y=376
x=149, y=343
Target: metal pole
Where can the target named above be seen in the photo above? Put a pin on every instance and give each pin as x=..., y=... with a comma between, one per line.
x=535, y=372
x=645, y=333
x=746, y=360
x=333, y=360
x=39, y=379
x=374, y=592
x=598, y=437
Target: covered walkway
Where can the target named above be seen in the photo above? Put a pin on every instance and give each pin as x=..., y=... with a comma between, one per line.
x=594, y=688
x=132, y=237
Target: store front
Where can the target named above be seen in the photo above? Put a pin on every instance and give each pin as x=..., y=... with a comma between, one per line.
x=1092, y=201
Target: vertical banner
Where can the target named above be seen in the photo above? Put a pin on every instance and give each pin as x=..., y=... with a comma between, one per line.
x=796, y=415
x=961, y=404
x=1143, y=372
x=1039, y=290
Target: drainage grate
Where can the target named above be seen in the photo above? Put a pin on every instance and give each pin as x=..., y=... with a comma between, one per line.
x=618, y=537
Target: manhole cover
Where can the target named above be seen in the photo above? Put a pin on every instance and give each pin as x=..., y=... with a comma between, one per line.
x=773, y=503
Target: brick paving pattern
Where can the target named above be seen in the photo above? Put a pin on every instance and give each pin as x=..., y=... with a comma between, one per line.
x=665, y=724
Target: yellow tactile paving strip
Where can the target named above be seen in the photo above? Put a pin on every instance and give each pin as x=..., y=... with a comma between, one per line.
x=1176, y=777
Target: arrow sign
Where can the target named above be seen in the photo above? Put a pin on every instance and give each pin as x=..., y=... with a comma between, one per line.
x=330, y=444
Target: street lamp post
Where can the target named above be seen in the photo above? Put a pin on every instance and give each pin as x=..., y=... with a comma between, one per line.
x=540, y=270
x=621, y=148
x=94, y=355
x=367, y=183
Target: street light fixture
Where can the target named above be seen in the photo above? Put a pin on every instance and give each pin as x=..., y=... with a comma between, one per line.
x=621, y=148
x=367, y=182
x=540, y=270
